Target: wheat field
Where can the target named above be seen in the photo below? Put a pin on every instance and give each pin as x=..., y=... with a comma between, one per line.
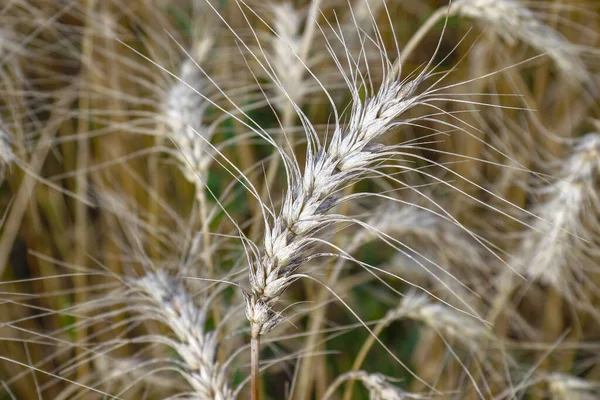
x=307, y=199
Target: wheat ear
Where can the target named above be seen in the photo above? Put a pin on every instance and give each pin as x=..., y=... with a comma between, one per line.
x=377, y=384
x=560, y=249
x=7, y=157
x=171, y=304
x=513, y=21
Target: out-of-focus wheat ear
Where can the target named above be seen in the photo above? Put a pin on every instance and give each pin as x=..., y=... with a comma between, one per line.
x=185, y=109
x=285, y=57
x=184, y=115
x=360, y=21
x=561, y=249
x=377, y=384
x=170, y=303
x=7, y=157
x=446, y=321
x=567, y=387
x=432, y=253
x=513, y=20
x=452, y=325
x=287, y=61
x=363, y=12
x=433, y=248
x=285, y=47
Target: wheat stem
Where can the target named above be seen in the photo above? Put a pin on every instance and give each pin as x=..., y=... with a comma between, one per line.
x=337, y=383
x=309, y=29
x=316, y=321
x=21, y=202
x=418, y=36
x=201, y=195
x=81, y=185
x=255, y=362
x=364, y=350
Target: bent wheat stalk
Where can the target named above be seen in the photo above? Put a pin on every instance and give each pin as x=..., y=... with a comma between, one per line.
x=512, y=20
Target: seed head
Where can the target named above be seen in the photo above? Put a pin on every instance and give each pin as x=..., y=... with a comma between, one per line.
x=443, y=319
x=311, y=194
x=567, y=387
x=378, y=386
x=285, y=50
x=184, y=110
x=7, y=157
x=556, y=251
x=171, y=304
x=513, y=20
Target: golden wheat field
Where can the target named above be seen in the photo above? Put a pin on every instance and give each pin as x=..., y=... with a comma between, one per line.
x=312, y=199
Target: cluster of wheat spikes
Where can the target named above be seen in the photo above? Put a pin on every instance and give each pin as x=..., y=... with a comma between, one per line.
x=308, y=199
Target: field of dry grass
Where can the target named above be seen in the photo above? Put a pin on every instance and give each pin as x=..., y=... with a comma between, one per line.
x=308, y=199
